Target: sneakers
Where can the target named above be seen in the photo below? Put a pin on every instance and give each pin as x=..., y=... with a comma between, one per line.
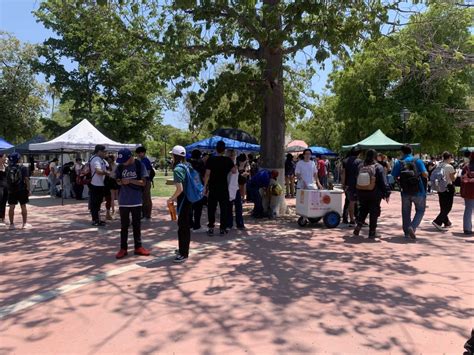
x=352, y=224
x=121, y=254
x=438, y=226
x=468, y=232
x=179, y=259
x=12, y=227
x=224, y=231
x=241, y=227
x=357, y=230
x=411, y=233
x=26, y=226
x=142, y=251
x=99, y=224
x=374, y=235
x=210, y=232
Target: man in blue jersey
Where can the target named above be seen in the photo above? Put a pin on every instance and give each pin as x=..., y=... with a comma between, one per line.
x=131, y=175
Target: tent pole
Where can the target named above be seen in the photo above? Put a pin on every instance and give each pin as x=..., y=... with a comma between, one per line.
x=62, y=177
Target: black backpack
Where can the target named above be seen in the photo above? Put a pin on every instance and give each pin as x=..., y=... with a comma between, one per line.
x=138, y=168
x=409, y=178
x=14, y=178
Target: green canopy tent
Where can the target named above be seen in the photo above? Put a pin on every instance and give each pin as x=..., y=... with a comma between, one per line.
x=378, y=141
x=467, y=149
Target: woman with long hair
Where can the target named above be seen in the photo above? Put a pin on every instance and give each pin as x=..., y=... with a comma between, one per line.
x=183, y=204
x=3, y=188
x=372, y=187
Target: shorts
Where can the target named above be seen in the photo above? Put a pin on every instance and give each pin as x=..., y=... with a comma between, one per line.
x=21, y=197
x=351, y=194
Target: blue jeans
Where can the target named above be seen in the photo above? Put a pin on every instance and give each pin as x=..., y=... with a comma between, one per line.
x=467, y=219
x=420, y=205
x=254, y=193
x=239, y=218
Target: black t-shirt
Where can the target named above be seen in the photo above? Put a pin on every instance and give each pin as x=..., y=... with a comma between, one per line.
x=220, y=167
x=351, y=167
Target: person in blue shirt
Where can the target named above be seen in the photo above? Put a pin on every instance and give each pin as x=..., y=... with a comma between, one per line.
x=147, y=203
x=261, y=180
x=408, y=200
x=130, y=176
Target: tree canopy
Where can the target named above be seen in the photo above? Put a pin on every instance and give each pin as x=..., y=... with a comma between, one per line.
x=426, y=67
x=189, y=37
x=111, y=80
x=21, y=96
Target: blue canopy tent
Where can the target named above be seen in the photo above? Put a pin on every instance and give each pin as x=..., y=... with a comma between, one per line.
x=24, y=148
x=4, y=144
x=323, y=151
x=210, y=144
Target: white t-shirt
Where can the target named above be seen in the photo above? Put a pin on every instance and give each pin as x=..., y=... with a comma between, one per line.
x=448, y=170
x=306, y=170
x=98, y=163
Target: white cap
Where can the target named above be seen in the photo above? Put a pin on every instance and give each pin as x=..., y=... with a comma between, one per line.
x=178, y=150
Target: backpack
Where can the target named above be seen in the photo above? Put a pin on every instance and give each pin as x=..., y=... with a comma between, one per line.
x=193, y=187
x=138, y=168
x=86, y=175
x=14, y=178
x=438, y=179
x=409, y=178
x=366, y=178
x=467, y=184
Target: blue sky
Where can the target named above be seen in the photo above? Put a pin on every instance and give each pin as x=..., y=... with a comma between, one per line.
x=16, y=18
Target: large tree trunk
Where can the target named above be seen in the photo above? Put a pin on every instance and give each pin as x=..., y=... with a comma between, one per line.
x=273, y=119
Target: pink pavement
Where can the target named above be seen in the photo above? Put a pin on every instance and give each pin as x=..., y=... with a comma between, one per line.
x=272, y=289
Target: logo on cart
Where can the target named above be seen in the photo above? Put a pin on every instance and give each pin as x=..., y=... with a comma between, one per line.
x=326, y=199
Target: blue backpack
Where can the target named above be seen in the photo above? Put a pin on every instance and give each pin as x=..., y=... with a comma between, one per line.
x=193, y=187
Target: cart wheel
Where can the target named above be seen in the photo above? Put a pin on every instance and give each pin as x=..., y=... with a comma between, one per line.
x=332, y=219
x=315, y=220
x=302, y=221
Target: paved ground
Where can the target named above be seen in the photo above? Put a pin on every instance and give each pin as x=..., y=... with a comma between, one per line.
x=273, y=289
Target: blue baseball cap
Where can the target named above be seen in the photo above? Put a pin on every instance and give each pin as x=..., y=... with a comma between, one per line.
x=14, y=157
x=123, y=155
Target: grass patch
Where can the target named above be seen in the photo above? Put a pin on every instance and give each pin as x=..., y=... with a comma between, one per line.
x=161, y=189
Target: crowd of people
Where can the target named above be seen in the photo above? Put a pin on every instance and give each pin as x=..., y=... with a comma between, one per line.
x=226, y=180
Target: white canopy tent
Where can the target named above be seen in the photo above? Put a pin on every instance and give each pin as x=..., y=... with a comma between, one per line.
x=82, y=137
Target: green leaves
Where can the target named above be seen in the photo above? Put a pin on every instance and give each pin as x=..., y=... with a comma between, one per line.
x=21, y=96
x=422, y=67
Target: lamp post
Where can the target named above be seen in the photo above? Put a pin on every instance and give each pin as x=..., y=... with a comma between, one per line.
x=405, y=116
x=163, y=137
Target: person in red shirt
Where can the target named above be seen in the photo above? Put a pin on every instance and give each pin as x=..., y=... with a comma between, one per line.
x=322, y=171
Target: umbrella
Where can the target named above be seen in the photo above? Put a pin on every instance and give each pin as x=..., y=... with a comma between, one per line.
x=4, y=144
x=210, y=144
x=322, y=151
x=297, y=143
x=295, y=149
x=235, y=134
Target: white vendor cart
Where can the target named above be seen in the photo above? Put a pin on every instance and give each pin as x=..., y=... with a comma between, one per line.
x=314, y=205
